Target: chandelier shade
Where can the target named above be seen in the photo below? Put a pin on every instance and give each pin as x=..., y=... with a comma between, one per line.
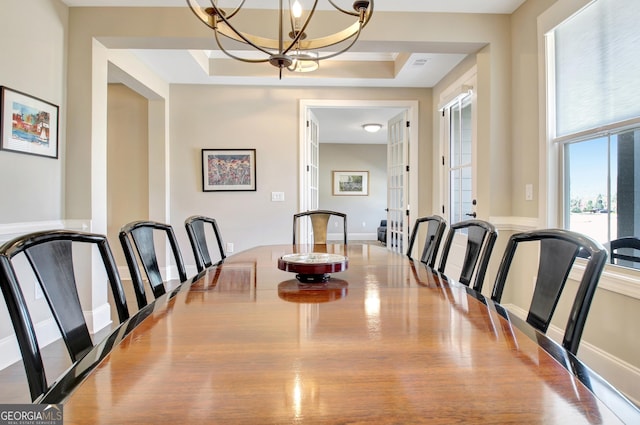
x=290, y=47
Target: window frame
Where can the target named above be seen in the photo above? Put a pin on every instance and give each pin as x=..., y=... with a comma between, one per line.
x=615, y=278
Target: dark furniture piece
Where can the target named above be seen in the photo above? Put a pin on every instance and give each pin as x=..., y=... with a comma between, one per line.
x=50, y=255
x=195, y=226
x=558, y=251
x=436, y=226
x=382, y=232
x=225, y=357
x=141, y=233
x=625, y=249
x=481, y=236
x=319, y=221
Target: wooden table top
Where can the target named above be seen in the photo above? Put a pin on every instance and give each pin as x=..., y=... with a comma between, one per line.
x=386, y=341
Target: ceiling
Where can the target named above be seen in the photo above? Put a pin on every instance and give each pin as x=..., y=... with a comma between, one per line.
x=424, y=66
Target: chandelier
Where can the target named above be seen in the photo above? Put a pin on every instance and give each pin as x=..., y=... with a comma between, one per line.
x=291, y=49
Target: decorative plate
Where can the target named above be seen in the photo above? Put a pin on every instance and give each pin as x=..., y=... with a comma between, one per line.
x=313, y=267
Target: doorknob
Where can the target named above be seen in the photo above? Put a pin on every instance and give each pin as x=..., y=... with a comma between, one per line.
x=473, y=214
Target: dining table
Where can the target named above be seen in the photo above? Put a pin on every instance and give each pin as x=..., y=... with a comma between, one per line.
x=378, y=338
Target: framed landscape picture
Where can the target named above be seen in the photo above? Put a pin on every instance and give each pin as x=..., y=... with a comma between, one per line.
x=351, y=183
x=28, y=124
x=228, y=170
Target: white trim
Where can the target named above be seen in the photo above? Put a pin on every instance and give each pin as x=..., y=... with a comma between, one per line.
x=517, y=224
x=613, y=279
x=352, y=236
x=46, y=332
x=623, y=376
x=413, y=116
x=9, y=231
x=98, y=318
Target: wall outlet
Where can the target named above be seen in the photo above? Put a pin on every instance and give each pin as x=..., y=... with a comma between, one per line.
x=229, y=247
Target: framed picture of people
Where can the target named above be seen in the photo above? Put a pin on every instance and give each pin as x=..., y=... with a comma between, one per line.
x=228, y=170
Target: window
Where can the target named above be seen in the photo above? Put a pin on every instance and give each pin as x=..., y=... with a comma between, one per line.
x=597, y=121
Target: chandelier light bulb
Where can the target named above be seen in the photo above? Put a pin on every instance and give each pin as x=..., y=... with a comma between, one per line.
x=296, y=9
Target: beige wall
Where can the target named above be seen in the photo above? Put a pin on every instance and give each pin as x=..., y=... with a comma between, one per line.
x=363, y=212
x=264, y=118
x=127, y=161
x=34, y=62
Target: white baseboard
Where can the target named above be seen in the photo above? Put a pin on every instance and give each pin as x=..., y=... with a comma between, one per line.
x=98, y=318
x=622, y=375
x=46, y=332
x=352, y=236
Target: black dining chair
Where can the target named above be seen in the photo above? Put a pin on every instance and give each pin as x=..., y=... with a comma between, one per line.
x=141, y=233
x=436, y=226
x=50, y=255
x=195, y=226
x=558, y=251
x=320, y=222
x=481, y=237
x=625, y=249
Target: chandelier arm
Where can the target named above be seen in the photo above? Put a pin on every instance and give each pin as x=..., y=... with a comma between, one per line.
x=202, y=17
x=231, y=15
x=240, y=35
x=353, y=41
x=346, y=12
x=232, y=56
x=300, y=33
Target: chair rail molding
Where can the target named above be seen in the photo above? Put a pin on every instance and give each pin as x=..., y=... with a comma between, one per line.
x=515, y=224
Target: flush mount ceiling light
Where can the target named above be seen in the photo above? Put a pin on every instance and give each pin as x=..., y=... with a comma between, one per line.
x=291, y=45
x=372, y=127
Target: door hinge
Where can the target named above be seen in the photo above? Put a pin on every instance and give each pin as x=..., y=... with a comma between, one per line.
x=442, y=159
x=407, y=213
x=408, y=124
x=443, y=112
x=443, y=209
x=308, y=169
x=407, y=168
x=308, y=123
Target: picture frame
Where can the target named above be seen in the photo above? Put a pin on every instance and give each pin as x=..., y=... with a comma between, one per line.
x=228, y=170
x=28, y=124
x=351, y=183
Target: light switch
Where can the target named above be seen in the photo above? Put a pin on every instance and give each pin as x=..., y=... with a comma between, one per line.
x=528, y=192
x=277, y=196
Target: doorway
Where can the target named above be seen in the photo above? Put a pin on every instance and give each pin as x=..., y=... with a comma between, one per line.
x=311, y=116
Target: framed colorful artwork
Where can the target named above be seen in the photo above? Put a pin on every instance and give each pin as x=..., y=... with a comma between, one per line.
x=228, y=170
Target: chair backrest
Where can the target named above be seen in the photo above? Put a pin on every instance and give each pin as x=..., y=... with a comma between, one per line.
x=625, y=249
x=50, y=256
x=436, y=226
x=319, y=221
x=481, y=236
x=558, y=251
x=195, y=226
x=142, y=234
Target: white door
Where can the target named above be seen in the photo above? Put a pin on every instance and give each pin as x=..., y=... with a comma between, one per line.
x=459, y=158
x=398, y=183
x=310, y=174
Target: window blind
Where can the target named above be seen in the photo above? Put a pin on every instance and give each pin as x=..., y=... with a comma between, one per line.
x=597, y=57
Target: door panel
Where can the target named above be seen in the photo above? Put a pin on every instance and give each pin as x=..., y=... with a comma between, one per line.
x=397, y=183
